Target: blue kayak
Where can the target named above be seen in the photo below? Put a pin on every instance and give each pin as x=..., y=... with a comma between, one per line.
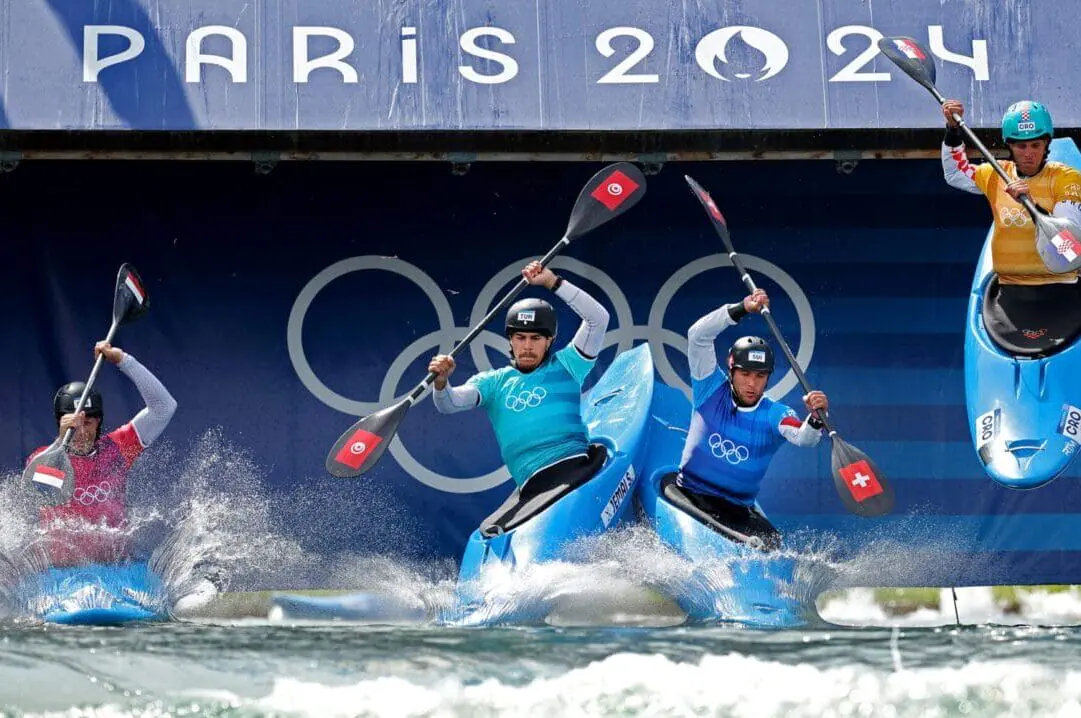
x=1024, y=407
x=94, y=595
x=729, y=581
x=642, y=424
x=544, y=526
x=615, y=412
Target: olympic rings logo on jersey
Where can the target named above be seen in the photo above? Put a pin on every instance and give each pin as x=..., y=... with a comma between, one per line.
x=1013, y=217
x=728, y=450
x=623, y=334
x=526, y=399
x=93, y=494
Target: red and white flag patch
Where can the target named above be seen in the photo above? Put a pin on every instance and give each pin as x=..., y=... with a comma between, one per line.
x=133, y=284
x=712, y=207
x=861, y=480
x=614, y=190
x=49, y=476
x=910, y=49
x=1067, y=245
x=357, y=448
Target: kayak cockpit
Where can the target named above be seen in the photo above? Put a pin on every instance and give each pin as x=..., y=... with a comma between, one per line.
x=1032, y=321
x=540, y=492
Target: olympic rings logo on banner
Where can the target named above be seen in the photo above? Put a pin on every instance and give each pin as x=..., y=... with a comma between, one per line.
x=622, y=336
x=526, y=399
x=97, y=493
x=727, y=449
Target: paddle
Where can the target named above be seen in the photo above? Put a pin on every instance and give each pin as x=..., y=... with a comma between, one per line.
x=50, y=471
x=863, y=488
x=1058, y=240
x=608, y=194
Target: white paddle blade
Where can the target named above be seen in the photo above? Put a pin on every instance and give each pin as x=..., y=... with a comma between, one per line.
x=1058, y=241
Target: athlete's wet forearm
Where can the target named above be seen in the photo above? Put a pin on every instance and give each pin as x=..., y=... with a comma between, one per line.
x=957, y=170
x=590, y=335
x=453, y=399
x=160, y=404
x=805, y=436
x=701, y=354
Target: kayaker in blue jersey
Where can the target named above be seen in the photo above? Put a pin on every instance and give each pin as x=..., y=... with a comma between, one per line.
x=534, y=404
x=735, y=429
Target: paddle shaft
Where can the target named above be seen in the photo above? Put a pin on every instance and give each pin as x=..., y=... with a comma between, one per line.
x=475, y=331
x=746, y=277
x=1025, y=199
x=89, y=384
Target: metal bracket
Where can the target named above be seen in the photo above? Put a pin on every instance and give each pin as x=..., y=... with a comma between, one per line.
x=265, y=162
x=460, y=162
x=9, y=160
x=652, y=162
x=846, y=161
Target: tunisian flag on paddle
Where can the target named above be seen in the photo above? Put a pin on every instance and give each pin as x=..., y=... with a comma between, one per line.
x=357, y=448
x=614, y=190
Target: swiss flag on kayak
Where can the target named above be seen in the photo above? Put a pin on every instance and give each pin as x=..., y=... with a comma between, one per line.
x=614, y=190
x=910, y=49
x=357, y=447
x=861, y=480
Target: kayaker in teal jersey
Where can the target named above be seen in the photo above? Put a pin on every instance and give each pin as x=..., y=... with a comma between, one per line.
x=535, y=403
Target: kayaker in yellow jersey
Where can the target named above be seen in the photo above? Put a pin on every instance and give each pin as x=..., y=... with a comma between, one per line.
x=1019, y=306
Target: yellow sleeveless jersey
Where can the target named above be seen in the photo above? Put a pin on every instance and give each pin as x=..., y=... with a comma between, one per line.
x=1013, y=244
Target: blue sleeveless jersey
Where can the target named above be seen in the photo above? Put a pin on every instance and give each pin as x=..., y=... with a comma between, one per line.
x=729, y=448
x=537, y=417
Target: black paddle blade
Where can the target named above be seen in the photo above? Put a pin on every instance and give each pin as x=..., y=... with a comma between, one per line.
x=130, y=300
x=912, y=57
x=715, y=216
x=360, y=447
x=50, y=472
x=863, y=488
x=608, y=194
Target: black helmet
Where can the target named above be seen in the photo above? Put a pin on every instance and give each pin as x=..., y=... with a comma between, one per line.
x=67, y=397
x=752, y=354
x=531, y=315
